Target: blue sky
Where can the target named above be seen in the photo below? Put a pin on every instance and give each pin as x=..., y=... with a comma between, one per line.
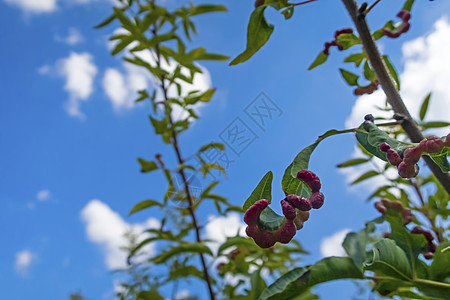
x=70, y=134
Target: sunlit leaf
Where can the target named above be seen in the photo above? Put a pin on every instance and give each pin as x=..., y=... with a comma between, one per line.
x=258, y=34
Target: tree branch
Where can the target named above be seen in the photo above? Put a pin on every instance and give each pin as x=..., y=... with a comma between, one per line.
x=389, y=88
x=177, y=149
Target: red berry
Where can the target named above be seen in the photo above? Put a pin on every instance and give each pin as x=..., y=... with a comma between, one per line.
x=412, y=155
x=252, y=214
x=298, y=202
x=432, y=144
x=393, y=157
x=407, y=171
x=380, y=207
x=317, y=200
x=310, y=179
x=447, y=140
x=288, y=210
x=384, y=147
x=287, y=232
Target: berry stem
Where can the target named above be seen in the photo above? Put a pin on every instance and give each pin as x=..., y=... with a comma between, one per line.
x=378, y=65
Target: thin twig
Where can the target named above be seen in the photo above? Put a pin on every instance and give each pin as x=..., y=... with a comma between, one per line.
x=182, y=173
x=372, y=6
x=304, y=2
x=394, y=99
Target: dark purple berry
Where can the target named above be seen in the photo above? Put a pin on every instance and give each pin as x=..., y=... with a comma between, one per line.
x=298, y=202
x=428, y=255
x=432, y=144
x=252, y=214
x=310, y=179
x=287, y=232
x=317, y=200
x=288, y=210
x=380, y=207
x=407, y=171
x=393, y=157
x=412, y=155
x=447, y=141
x=384, y=147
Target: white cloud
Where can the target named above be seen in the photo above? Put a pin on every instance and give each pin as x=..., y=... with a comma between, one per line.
x=43, y=195
x=45, y=69
x=73, y=38
x=122, y=89
x=332, y=245
x=79, y=72
x=181, y=295
x=106, y=228
x=219, y=228
x=23, y=261
x=426, y=69
x=137, y=78
x=34, y=6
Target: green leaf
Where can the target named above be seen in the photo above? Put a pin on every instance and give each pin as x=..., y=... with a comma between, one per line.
x=257, y=283
x=206, y=168
x=369, y=136
x=356, y=58
x=441, y=159
x=239, y=242
x=126, y=23
x=301, y=161
x=106, y=21
x=149, y=295
x=408, y=5
x=390, y=260
x=369, y=74
x=348, y=40
x=288, y=12
x=143, y=205
x=186, y=271
x=353, y=162
x=300, y=280
x=392, y=71
x=258, y=34
x=435, y=124
x=207, y=8
x=262, y=191
x=378, y=34
x=182, y=248
x=320, y=59
x=218, y=146
x=440, y=270
x=355, y=245
x=125, y=41
x=290, y=183
x=365, y=176
x=350, y=78
x=206, y=96
x=270, y=220
x=424, y=107
x=159, y=126
x=147, y=166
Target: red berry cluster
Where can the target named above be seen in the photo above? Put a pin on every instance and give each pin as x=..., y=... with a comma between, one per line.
x=407, y=166
x=334, y=42
x=431, y=247
x=295, y=210
x=407, y=217
x=384, y=203
x=404, y=27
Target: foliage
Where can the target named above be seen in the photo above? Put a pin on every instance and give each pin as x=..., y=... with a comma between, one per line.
x=393, y=263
